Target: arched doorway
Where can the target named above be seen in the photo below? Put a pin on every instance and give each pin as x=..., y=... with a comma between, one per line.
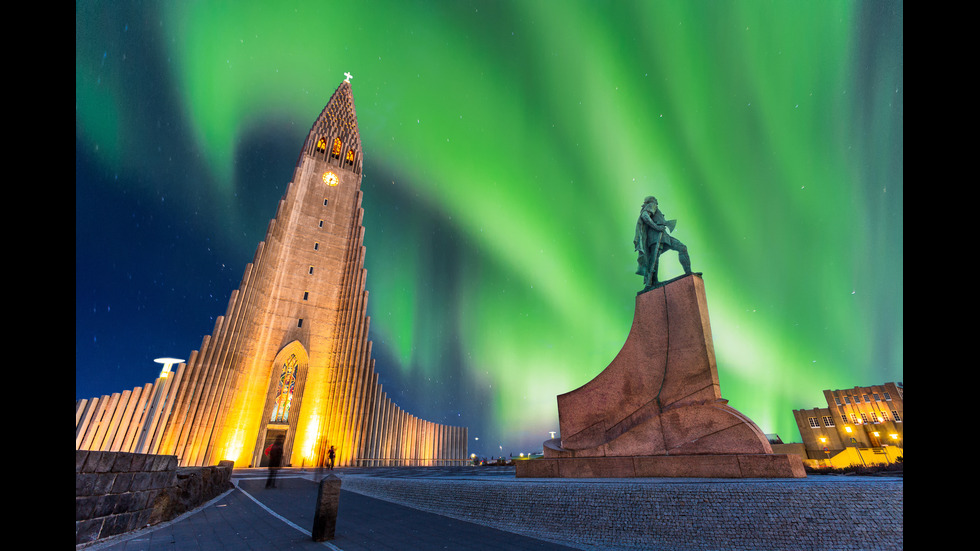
x=283, y=401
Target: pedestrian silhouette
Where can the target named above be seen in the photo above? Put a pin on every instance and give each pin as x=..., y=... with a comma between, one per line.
x=332, y=454
x=275, y=461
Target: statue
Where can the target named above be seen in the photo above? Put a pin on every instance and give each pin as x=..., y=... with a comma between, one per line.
x=651, y=240
x=657, y=409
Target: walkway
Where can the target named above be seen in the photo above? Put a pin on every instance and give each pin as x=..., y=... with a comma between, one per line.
x=252, y=517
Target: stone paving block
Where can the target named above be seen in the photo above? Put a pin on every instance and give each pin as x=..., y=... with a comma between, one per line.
x=140, y=482
x=84, y=482
x=85, y=507
x=139, y=462
x=91, y=464
x=102, y=483
x=105, y=505
x=87, y=531
x=104, y=461
x=80, y=457
x=123, y=463
x=121, y=483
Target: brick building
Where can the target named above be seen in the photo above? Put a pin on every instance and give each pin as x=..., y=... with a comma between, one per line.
x=870, y=417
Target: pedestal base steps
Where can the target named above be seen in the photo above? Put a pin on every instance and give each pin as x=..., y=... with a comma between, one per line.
x=695, y=466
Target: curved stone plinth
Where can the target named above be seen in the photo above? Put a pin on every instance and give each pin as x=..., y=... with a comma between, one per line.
x=660, y=396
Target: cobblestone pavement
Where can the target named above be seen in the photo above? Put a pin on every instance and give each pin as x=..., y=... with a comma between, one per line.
x=432, y=472
x=427, y=508
x=252, y=517
x=680, y=514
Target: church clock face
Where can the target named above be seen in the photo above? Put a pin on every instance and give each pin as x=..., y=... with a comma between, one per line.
x=330, y=178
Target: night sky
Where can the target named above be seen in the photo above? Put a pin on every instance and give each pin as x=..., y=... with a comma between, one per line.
x=508, y=147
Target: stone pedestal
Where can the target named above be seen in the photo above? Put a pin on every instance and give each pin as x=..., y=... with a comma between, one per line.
x=657, y=409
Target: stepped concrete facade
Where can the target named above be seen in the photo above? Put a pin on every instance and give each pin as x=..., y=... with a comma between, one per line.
x=291, y=356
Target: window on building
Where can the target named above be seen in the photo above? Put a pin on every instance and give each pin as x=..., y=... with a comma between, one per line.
x=876, y=397
x=837, y=400
x=306, y=295
x=324, y=204
x=336, y=148
x=854, y=420
x=321, y=223
x=866, y=399
x=311, y=270
x=813, y=423
x=864, y=417
x=299, y=323
x=847, y=400
x=884, y=415
x=828, y=421
x=896, y=416
x=284, y=390
x=316, y=246
x=321, y=145
x=888, y=397
x=350, y=156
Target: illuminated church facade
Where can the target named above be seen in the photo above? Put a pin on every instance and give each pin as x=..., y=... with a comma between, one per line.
x=291, y=356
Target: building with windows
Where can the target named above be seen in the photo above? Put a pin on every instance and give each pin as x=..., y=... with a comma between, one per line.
x=862, y=423
x=291, y=356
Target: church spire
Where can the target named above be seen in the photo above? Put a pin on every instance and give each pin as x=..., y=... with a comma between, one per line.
x=334, y=137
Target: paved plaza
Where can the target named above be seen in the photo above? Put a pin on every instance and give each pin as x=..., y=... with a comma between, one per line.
x=252, y=517
x=488, y=508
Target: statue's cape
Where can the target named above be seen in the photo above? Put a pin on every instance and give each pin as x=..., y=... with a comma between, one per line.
x=640, y=237
x=644, y=234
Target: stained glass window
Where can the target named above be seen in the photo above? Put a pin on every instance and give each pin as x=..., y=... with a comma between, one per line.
x=284, y=391
x=336, y=147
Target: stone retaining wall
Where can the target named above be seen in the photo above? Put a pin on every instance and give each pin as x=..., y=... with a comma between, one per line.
x=682, y=514
x=118, y=492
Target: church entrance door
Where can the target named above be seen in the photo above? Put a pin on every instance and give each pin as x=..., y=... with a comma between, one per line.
x=270, y=438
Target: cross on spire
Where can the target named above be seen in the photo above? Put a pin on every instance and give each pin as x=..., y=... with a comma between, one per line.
x=349, y=76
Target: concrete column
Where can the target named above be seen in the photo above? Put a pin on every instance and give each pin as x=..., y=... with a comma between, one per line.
x=127, y=418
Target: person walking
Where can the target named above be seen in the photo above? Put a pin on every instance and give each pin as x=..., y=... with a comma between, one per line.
x=275, y=461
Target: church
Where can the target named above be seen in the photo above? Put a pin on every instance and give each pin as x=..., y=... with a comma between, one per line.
x=291, y=356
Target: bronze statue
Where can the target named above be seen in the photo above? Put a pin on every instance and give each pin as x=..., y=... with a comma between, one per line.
x=651, y=240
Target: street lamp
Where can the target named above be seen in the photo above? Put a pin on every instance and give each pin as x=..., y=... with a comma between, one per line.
x=167, y=363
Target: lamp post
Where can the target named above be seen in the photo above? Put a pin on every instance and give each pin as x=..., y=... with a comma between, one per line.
x=167, y=364
x=143, y=444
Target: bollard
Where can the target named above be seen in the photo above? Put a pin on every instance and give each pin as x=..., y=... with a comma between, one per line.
x=327, y=504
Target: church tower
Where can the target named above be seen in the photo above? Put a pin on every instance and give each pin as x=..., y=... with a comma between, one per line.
x=291, y=357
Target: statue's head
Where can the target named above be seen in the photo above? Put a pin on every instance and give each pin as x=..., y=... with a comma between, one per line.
x=650, y=199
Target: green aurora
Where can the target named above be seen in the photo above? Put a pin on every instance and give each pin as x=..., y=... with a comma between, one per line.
x=508, y=147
